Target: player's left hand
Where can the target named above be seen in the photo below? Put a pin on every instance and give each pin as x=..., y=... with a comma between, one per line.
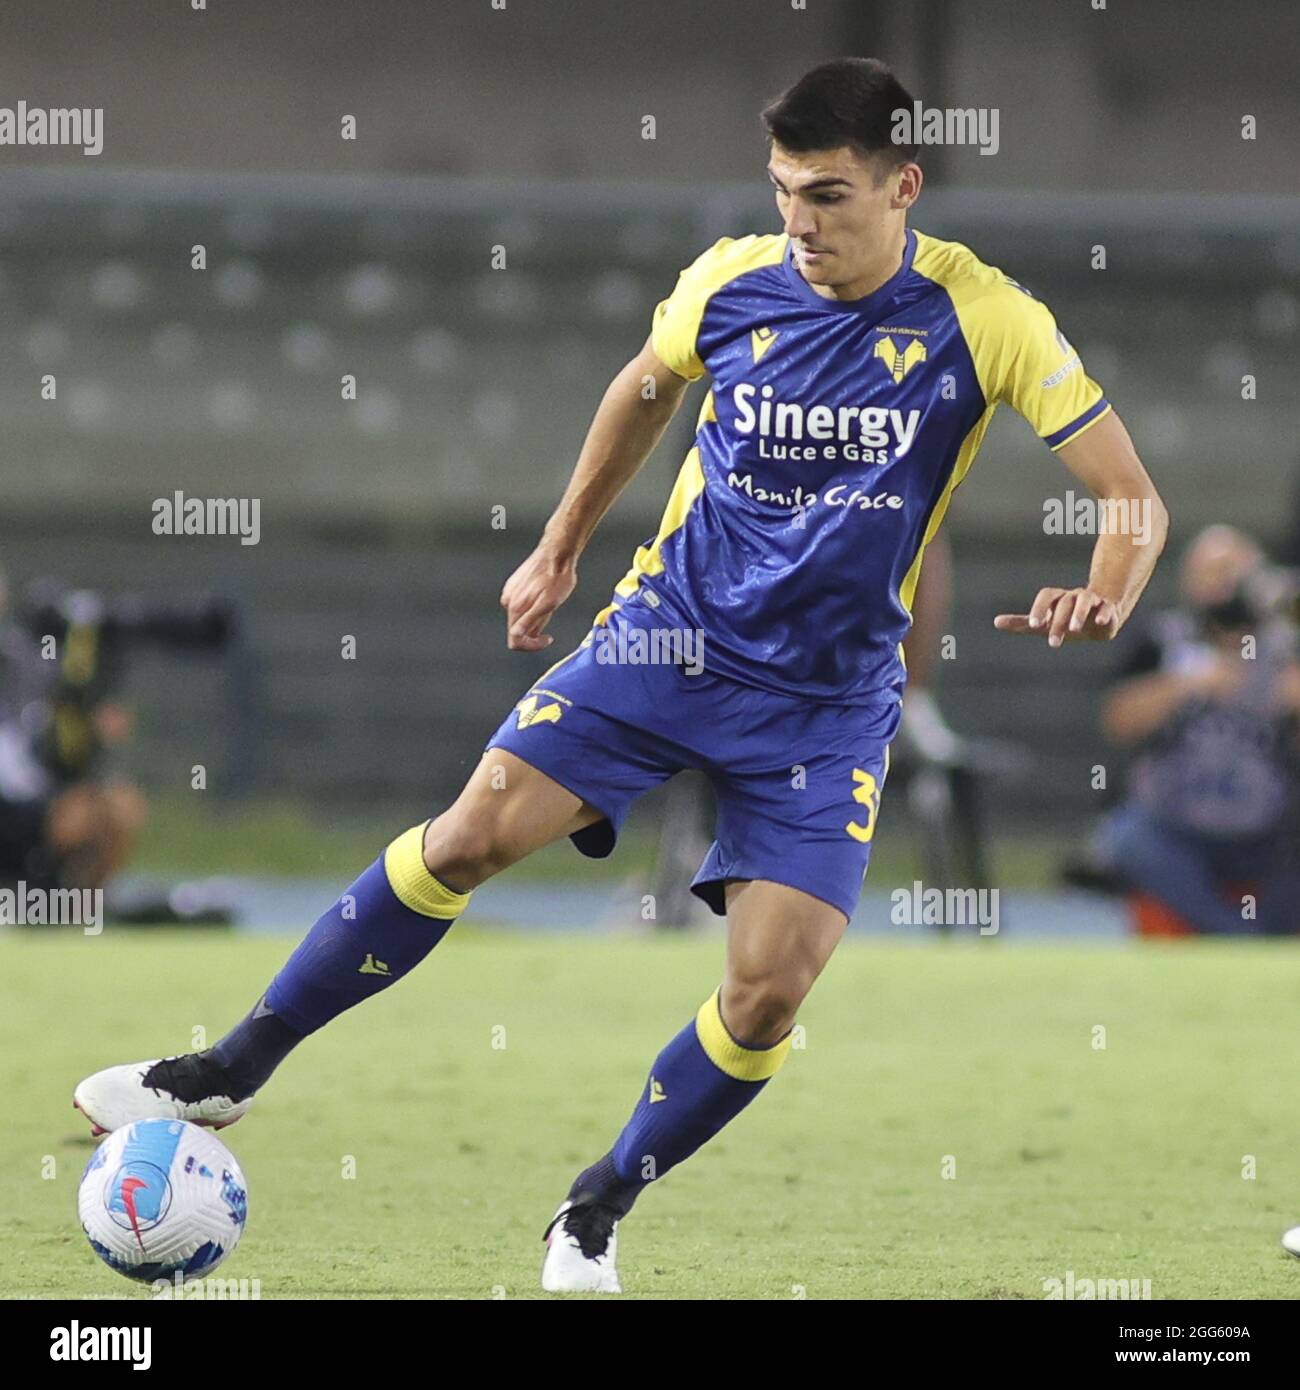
x=1065, y=615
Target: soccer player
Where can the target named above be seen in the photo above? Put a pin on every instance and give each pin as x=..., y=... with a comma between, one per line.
x=855, y=364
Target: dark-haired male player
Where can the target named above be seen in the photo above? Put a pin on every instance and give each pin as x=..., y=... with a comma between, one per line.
x=855, y=364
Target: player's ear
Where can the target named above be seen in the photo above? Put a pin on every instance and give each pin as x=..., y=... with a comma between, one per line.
x=907, y=179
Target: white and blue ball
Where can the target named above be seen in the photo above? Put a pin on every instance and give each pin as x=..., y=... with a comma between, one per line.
x=161, y=1198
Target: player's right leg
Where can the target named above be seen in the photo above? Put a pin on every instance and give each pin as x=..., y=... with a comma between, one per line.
x=386, y=922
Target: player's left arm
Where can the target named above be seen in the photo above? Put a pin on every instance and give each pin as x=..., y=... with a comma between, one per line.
x=1026, y=361
x=1104, y=460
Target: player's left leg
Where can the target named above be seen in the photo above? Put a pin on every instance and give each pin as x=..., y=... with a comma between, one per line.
x=798, y=788
x=778, y=941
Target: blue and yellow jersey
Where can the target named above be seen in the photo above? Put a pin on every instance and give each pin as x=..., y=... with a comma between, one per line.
x=827, y=451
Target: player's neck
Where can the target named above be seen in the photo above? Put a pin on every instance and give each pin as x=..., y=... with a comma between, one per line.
x=879, y=272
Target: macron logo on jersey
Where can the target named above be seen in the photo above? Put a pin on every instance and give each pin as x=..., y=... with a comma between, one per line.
x=859, y=434
x=760, y=339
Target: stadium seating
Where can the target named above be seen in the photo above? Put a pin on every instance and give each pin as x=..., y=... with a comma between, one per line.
x=474, y=390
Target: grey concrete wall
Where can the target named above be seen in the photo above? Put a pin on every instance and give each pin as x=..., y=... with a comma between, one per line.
x=1140, y=97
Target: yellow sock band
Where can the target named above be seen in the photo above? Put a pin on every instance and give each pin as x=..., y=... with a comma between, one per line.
x=735, y=1059
x=413, y=884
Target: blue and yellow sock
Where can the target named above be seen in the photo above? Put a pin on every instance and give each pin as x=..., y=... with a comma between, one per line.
x=699, y=1082
x=379, y=930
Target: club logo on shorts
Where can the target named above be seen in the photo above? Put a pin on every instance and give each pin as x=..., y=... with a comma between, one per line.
x=529, y=713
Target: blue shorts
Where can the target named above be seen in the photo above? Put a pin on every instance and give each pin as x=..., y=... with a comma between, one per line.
x=798, y=784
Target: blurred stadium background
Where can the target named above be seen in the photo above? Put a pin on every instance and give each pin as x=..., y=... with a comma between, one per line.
x=522, y=129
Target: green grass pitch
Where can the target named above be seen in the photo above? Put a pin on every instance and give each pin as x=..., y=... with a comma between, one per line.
x=466, y=1097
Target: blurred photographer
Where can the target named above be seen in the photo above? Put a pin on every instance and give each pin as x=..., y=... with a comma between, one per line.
x=56, y=829
x=1209, y=698
x=63, y=824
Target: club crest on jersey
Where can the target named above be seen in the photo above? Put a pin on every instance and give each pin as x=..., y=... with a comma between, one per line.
x=760, y=339
x=899, y=361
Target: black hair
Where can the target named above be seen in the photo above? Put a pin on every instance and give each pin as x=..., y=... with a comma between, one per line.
x=848, y=101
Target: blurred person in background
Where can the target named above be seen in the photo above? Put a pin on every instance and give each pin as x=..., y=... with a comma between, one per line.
x=1290, y=550
x=1209, y=697
x=58, y=829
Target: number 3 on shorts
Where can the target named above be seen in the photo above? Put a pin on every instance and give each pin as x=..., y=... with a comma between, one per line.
x=868, y=793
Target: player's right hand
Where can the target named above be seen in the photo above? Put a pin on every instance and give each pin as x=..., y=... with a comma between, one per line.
x=532, y=594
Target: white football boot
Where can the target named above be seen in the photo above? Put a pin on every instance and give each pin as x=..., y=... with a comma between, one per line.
x=191, y=1088
x=581, y=1246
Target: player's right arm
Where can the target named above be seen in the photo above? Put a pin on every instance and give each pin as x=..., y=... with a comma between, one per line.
x=628, y=423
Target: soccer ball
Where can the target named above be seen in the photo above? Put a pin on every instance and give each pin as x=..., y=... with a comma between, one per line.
x=161, y=1198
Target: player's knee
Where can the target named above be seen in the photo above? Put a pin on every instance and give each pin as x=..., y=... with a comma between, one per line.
x=760, y=1010
x=462, y=852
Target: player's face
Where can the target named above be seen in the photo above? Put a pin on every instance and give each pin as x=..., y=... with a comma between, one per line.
x=842, y=211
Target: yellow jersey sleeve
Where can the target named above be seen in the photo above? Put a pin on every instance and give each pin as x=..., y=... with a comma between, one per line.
x=675, y=329
x=1018, y=353
x=676, y=323
x=1039, y=373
